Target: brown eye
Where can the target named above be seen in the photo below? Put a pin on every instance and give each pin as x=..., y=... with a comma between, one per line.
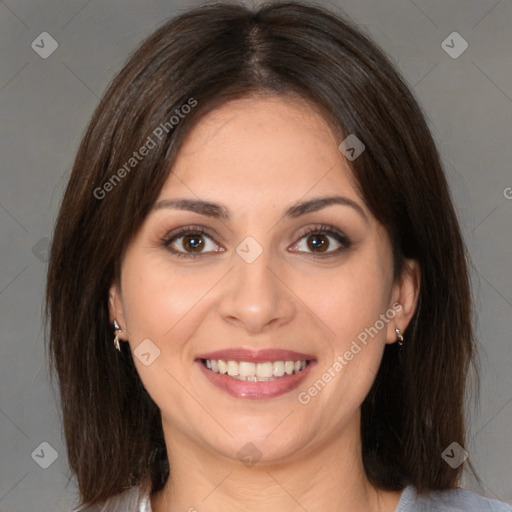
x=318, y=243
x=190, y=242
x=193, y=242
x=322, y=241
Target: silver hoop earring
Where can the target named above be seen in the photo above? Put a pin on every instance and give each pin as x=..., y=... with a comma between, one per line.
x=399, y=336
x=116, y=339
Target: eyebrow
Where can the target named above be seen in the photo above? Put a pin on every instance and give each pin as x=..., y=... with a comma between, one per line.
x=314, y=205
x=194, y=205
x=297, y=210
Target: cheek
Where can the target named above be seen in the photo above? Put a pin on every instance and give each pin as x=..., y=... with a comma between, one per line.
x=164, y=306
x=161, y=300
x=350, y=303
x=349, y=300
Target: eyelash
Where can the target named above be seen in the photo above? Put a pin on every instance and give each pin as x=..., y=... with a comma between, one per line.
x=186, y=230
x=321, y=229
x=324, y=229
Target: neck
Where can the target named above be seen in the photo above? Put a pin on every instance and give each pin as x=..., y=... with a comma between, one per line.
x=331, y=477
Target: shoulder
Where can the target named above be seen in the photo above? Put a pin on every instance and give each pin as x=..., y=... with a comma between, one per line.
x=133, y=499
x=455, y=500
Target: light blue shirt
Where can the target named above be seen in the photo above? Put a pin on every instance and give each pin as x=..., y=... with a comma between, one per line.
x=456, y=500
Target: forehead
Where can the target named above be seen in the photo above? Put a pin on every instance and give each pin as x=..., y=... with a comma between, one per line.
x=253, y=147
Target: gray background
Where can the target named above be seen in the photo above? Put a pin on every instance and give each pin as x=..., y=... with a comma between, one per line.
x=46, y=103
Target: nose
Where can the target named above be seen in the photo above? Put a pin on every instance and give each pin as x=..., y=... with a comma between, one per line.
x=256, y=297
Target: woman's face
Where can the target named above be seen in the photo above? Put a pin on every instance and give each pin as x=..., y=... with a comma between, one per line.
x=260, y=251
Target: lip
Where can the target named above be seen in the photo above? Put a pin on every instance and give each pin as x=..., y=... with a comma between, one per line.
x=256, y=390
x=256, y=356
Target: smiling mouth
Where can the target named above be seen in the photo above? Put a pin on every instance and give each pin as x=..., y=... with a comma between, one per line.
x=255, y=372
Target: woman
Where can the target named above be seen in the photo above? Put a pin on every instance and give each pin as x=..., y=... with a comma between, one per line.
x=258, y=291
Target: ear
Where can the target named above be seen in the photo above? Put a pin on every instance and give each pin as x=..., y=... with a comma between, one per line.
x=116, y=310
x=404, y=298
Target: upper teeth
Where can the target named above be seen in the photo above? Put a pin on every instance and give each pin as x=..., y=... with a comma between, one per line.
x=246, y=370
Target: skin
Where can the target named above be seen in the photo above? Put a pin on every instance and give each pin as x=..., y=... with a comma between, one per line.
x=257, y=157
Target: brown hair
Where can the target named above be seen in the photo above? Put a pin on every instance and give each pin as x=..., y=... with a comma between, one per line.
x=202, y=58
